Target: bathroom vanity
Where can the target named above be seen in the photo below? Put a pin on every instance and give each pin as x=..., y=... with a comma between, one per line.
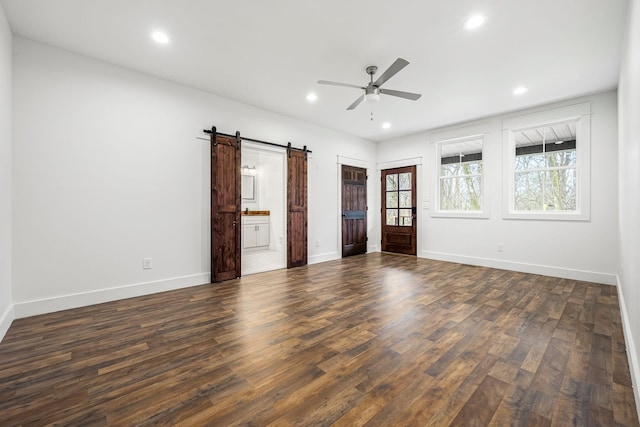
x=255, y=229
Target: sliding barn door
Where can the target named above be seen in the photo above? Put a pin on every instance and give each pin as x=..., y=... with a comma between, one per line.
x=354, y=210
x=296, y=208
x=225, y=207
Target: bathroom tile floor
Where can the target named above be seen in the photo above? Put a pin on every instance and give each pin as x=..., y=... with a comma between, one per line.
x=261, y=261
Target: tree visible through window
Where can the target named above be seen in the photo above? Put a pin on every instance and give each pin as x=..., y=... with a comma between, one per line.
x=547, y=174
x=460, y=176
x=398, y=203
x=545, y=168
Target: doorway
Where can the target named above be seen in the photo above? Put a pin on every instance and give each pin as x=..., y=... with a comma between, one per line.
x=263, y=240
x=354, y=211
x=399, y=210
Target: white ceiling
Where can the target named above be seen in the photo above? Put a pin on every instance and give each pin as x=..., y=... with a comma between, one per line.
x=271, y=53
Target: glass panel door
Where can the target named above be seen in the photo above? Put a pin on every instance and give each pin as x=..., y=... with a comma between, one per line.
x=399, y=199
x=399, y=210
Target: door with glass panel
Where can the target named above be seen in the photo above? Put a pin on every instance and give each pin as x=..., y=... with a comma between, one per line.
x=399, y=210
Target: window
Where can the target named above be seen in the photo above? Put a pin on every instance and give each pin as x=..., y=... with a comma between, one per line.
x=548, y=173
x=460, y=177
x=545, y=168
x=398, y=199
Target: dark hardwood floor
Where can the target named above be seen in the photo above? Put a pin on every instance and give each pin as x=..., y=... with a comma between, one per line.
x=374, y=339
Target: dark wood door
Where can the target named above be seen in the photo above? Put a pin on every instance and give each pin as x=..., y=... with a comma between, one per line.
x=296, y=208
x=225, y=208
x=399, y=210
x=354, y=210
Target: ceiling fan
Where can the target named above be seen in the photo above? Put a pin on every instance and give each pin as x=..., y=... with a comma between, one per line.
x=372, y=90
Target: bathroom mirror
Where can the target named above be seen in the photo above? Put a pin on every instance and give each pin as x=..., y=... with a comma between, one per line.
x=248, y=187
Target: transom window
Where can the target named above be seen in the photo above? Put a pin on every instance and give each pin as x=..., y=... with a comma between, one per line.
x=398, y=198
x=460, y=175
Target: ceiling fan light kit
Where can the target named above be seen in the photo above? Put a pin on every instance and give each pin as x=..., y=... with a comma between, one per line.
x=372, y=90
x=372, y=97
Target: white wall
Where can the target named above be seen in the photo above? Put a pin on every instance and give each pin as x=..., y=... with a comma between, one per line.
x=581, y=250
x=325, y=182
x=108, y=170
x=629, y=191
x=6, y=312
x=250, y=158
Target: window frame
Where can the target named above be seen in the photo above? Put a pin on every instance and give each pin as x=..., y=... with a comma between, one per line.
x=399, y=208
x=438, y=211
x=581, y=115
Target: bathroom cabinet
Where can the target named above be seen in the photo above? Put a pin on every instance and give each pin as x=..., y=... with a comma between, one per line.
x=255, y=231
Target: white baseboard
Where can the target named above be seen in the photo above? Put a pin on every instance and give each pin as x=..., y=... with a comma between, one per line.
x=65, y=302
x=632, y=352
x=5, y=321
x=544, y=270
x=329, y=256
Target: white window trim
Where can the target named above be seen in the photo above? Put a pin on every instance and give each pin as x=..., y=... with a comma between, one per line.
x=436, y=212
x=582, y=114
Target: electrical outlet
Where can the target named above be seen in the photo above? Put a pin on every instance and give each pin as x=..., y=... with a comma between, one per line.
x=317, y=243
x=500, y=247
x=147, y=263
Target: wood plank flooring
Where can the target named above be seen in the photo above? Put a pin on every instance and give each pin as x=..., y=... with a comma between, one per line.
x=376, y=340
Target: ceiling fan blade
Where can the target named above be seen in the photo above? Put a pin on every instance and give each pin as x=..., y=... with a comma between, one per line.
x=356, y=103
x=401, y=94
x=325, y=82
x=391, y=71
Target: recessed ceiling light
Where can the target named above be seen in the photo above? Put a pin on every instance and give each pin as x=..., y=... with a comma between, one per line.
x=312, y=97
x=160, y=37
x=474, y=22
x=520, y=90
x=386, y=125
